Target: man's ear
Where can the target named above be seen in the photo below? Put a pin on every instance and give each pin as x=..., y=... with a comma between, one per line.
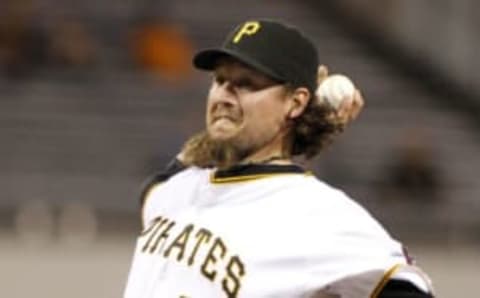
x=298, y=102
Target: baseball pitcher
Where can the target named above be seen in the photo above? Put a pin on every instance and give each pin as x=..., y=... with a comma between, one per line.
x=234, y=216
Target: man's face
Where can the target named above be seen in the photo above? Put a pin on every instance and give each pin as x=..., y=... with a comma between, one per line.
x=245, y=108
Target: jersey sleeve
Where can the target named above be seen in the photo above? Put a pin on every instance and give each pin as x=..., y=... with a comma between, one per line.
x=400, y=281
x=355, y=257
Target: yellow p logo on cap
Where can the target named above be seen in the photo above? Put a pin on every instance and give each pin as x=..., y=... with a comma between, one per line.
x=249, y=28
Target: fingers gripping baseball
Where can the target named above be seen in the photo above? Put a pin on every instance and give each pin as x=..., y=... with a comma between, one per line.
x=322, y=74
x=351, y=107
x=340, y=94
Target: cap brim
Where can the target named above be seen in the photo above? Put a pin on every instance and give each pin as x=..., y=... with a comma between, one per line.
x=207, y=60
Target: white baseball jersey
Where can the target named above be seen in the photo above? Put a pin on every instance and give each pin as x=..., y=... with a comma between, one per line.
x=260, y=231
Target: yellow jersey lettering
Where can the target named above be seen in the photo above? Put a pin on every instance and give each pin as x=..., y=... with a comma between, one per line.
x=162, y=239
x=150, y=228
x=156, y=226
x=211, y=259
x=203, y=236
x=180, y=242
x=249, y=28
x=163, y=235
x=232, y=282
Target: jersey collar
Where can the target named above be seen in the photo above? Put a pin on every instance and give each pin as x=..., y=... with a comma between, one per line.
x=247, y=172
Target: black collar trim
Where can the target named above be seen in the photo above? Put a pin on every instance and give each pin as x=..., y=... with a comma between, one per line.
x=247, y=172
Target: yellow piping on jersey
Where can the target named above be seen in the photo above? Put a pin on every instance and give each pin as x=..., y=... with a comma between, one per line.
x=386, y=277
x=249, y=177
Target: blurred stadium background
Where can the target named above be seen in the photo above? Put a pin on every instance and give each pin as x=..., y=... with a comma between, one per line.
x=96, y=95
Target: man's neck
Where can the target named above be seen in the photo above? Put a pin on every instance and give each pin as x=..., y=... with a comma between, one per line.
x=271, y=153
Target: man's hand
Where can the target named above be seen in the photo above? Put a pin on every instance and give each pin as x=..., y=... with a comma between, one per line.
x=350, y=108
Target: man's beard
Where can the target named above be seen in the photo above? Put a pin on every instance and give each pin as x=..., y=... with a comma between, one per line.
x=202, y=151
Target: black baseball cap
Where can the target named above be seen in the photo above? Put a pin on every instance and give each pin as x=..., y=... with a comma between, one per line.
x=275, y=49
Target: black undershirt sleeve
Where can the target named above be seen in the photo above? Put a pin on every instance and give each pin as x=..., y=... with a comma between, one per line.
x=402, y=289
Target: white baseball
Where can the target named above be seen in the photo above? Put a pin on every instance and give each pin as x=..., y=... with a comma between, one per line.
x=335, y=89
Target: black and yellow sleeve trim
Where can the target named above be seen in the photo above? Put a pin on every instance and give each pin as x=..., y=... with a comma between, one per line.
x=386, y=277
x=389, y=287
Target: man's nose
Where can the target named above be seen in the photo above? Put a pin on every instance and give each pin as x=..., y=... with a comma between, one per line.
x=224, y=94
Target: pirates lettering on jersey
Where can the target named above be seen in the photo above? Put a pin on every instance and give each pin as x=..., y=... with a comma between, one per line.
x=197, y=248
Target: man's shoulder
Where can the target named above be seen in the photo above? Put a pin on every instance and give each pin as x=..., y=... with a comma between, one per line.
x=161, y=180
x=162, y=194
x=319, y=192
x=329, y=206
